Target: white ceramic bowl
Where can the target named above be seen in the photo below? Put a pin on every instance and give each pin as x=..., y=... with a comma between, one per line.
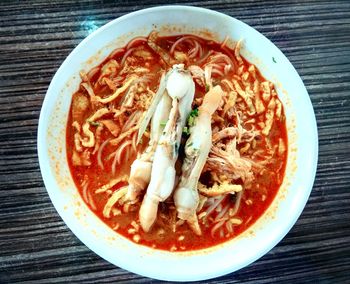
x=201, y=264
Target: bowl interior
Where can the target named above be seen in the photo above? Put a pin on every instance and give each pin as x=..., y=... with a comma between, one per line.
x=219, y=260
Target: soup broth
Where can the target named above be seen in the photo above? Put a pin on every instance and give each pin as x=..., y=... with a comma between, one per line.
x=243, y=169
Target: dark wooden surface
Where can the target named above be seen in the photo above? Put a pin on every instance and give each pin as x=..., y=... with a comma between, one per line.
x=35, y=37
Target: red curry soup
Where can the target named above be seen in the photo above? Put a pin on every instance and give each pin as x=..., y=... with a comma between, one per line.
x=178, y=142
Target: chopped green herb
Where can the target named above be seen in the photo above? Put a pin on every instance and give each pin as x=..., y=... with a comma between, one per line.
x=274, y=60
x=194, y=112
x=94, y=123
x=190, y=144
x=190, y=121
x=186, y=131
x=163, y=123
x=191, y=117
x=206, y=88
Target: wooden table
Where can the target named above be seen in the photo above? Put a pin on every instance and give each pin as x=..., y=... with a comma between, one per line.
x=35, y=37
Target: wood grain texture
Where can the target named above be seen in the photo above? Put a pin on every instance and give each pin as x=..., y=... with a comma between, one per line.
x=36, y=36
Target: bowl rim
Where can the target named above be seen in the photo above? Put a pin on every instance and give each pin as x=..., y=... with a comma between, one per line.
x=283, y=230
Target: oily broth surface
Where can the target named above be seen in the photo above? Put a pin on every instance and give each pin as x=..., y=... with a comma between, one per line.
x=162, y=236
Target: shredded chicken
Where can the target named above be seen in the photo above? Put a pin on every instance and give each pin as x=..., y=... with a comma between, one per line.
x=111, y=126
x=124, y=135
x=265, y=87
x=278, y=109
x=281, y=147
x=231, y=132
x=230, y=103
x=219, y=189
x=98, y=135
x=246, y=97
x=98, y=114
x=229, y=163
x=80, y=104
x=118, y=92
x=260, y=108
x=81, y=159
x=112, y=183
x=197, y=74
x=89, y=141
x=116, y=196
x=238, y=51
x=269, y=117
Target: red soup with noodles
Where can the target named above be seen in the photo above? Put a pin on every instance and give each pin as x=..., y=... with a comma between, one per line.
x=244, y=168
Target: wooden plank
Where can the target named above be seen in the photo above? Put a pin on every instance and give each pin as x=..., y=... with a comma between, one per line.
x=36, y=36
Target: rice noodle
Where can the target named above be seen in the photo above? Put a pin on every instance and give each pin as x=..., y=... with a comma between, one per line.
x=237, y=203
x=92, y=72
x=201, y=60
x=216, y=227
x=217, y=72
x=115, y=52
x=224, y=42
x=168, y=60
x=84, y=189
x=99, y=153
x=200, y=49
x=87, y=195
x=222, y=213
x=216, y=66
x=220, y=57
x=117, y=155
x=213, y=206
x=227, y=69
x=193, y=52
x=185, y=38
x=127, y=53
x=91, y=201
x=132, y=120
x=127, y=155
x=172, y=49
x=121, y=137
x=196, y=50
x=134, y=142
x=122, y=148
x=137, y=39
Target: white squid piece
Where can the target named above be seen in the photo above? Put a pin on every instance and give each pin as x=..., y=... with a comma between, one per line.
x=197, y=148
x=180, y=88
x=141, y=168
